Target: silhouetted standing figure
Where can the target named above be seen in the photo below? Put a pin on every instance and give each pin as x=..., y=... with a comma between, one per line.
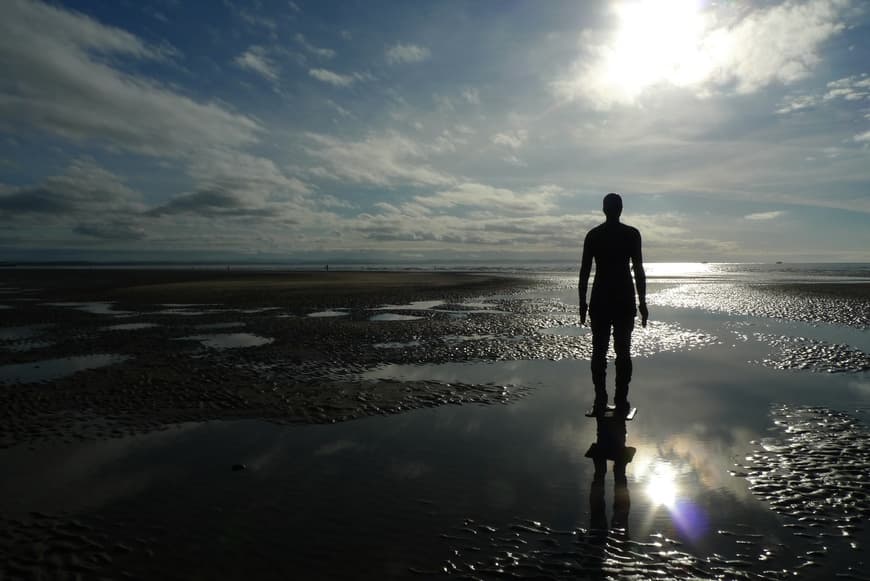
x=612, y=305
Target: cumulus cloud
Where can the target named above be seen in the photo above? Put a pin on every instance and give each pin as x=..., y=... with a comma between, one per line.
x=47, y=51
x=764, y=216
x=407, y=53
x=678, y=44
x=380, y=160
x=255, y=59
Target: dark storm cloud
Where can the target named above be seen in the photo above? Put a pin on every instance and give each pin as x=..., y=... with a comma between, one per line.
x=83, y=188
x=36, y=201
x=111, y=231
x=211, y=202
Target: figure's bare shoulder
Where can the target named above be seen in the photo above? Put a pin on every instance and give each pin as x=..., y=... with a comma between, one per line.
x=595, y=231
x=630, y=231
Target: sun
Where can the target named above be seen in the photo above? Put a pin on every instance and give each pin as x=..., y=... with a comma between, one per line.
x=656, y=41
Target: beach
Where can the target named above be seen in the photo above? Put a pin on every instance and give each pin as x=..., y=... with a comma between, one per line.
x=217, y=423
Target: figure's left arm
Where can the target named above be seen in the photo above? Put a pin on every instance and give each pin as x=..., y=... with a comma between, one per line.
x=583, y=281
x=640, y=279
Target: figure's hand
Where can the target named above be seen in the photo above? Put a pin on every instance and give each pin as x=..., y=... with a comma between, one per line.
x=583, y=309
x=644, y=314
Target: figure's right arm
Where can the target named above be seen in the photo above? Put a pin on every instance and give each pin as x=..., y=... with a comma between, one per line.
x=583, y=282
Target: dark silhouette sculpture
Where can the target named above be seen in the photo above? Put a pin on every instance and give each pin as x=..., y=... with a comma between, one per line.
x=612, y=305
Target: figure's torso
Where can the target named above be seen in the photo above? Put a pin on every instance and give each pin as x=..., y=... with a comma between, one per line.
x=611, y=246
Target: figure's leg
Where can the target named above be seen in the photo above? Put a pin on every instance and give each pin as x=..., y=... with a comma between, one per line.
x=600, y=341
x=622, y=329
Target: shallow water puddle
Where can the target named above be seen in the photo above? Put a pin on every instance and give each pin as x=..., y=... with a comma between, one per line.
x=227, y=325
x=229, y=340
x=49, y=369
x=186, y=311
x=413, y=306
x=18, y=333
x=95, y=308
x=393, y=317
x=330, y=313
x=257, y=310
x=396, y=345
x=130, y=326
x=464, y=338
x=25, y=345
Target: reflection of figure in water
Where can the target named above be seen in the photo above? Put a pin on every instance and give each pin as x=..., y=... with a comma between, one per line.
x=610, y=445
x=612, y=304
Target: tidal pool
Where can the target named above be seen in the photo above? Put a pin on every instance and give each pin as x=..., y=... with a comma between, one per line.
x=23, y=332
x=393, y=317
x=229, y=340
x=95, y=308
x=329, y=313
x=130, y=326
x=49, y=369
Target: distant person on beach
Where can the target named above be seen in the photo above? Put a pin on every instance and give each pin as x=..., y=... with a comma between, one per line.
x=612, y=305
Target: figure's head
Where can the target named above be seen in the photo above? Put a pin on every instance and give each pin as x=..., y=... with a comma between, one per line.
x=612, y=206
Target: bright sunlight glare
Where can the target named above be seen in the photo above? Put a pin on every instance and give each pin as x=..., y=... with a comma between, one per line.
x=657, y=41
x=661, y=486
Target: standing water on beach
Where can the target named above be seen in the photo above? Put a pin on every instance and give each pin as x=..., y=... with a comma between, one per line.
x=434, y=426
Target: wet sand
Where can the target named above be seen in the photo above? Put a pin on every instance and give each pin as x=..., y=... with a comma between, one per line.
x=154, y=459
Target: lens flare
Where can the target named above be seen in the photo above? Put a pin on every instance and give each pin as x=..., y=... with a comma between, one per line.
x=661, y=486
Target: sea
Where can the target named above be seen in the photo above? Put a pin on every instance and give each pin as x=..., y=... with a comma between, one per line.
x=700, y=271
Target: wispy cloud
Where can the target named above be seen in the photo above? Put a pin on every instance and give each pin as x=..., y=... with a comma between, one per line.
x=255, y=59
x=337, y=79
x=854, y=88
x=511, y=139
x=325, y=53
x=496, y=200
x=471, y=95
x=382, y=160
x=764, y=216
x=407, y=53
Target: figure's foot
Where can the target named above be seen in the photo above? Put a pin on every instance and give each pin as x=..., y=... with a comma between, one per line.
x=600, y=405
x=622, y=407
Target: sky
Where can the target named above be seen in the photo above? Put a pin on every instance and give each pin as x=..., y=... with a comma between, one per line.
x=305, y=130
